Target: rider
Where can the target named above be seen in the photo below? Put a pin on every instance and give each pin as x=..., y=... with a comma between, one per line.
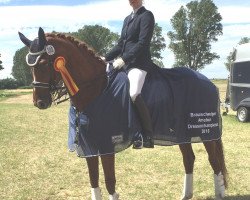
x=133, y=53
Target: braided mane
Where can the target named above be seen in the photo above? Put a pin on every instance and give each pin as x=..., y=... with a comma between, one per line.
x=78, y=43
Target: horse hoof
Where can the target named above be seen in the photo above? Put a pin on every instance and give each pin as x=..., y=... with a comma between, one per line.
x=115, y=196
x=187, y=197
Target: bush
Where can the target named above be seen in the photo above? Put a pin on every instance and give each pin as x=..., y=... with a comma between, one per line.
x=26, y=87
x=9, y=83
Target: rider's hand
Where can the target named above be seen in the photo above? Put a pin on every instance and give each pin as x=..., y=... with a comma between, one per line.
x=118, y=63
x=103, y=58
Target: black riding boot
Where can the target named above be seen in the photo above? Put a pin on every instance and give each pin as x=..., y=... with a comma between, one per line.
x=146, y=123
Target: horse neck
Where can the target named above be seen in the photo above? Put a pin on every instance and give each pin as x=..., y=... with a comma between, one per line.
x=91, y=79
x=87, y=71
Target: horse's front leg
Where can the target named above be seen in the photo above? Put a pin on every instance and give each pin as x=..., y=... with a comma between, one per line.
x=108, y=164
x=188, y=162
x=93, y=167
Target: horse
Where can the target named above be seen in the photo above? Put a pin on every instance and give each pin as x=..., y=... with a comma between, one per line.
x=57, y=57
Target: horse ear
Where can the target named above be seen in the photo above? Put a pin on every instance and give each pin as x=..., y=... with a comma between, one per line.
x=25, y=40
x=42, y=38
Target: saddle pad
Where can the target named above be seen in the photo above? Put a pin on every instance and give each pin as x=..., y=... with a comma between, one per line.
x=183, y=104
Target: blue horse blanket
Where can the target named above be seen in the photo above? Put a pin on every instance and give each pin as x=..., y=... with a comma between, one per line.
x=183, y=104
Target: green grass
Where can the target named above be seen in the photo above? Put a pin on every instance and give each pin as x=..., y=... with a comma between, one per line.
x=36, y=165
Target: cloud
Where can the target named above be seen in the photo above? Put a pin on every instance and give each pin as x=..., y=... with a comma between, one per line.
x=235, y=14
x=5, y=1
x=110, y=14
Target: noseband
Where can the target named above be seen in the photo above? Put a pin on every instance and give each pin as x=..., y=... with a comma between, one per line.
x=37, y=84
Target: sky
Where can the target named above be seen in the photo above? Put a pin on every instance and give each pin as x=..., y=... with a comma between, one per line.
x=27, y=16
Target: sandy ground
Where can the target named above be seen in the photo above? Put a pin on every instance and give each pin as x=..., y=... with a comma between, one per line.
x=24, y=99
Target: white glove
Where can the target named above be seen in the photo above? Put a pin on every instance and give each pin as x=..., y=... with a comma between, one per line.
x=118, y=63
x=103, y=58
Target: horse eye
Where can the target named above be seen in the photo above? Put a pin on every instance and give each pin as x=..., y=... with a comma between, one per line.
x=43, y=62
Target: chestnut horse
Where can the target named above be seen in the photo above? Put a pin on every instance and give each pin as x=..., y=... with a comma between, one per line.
x=85, y=78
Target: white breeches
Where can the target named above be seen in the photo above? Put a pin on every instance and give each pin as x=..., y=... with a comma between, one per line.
x=136, y=79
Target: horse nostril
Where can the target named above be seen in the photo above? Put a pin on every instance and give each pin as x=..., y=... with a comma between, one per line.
x=42, y=104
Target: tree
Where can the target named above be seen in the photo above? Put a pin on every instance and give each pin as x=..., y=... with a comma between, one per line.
x=194, y=29
x=101, y=39
x=157, y=45
x=1, y=66
x=20, y=70
x=244, y=40
x=231, y=55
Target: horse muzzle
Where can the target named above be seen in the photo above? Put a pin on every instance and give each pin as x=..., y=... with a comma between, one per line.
x=42, y=104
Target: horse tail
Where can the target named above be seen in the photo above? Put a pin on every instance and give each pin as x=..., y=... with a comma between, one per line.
x=221, y=159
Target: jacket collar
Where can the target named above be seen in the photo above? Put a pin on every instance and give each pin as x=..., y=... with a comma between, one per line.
x=140, y=10
x=136, y=12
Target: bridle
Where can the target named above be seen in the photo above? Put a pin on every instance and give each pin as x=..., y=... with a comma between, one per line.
x=57, y=90
x=38, y=84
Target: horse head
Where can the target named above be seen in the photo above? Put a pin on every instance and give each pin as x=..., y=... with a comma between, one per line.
x=43, y=74
x=54, y=58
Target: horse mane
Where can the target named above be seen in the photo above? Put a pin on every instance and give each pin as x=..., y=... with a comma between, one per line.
x=81, y=45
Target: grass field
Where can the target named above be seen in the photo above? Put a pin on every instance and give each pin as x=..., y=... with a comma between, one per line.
x=36, y=165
